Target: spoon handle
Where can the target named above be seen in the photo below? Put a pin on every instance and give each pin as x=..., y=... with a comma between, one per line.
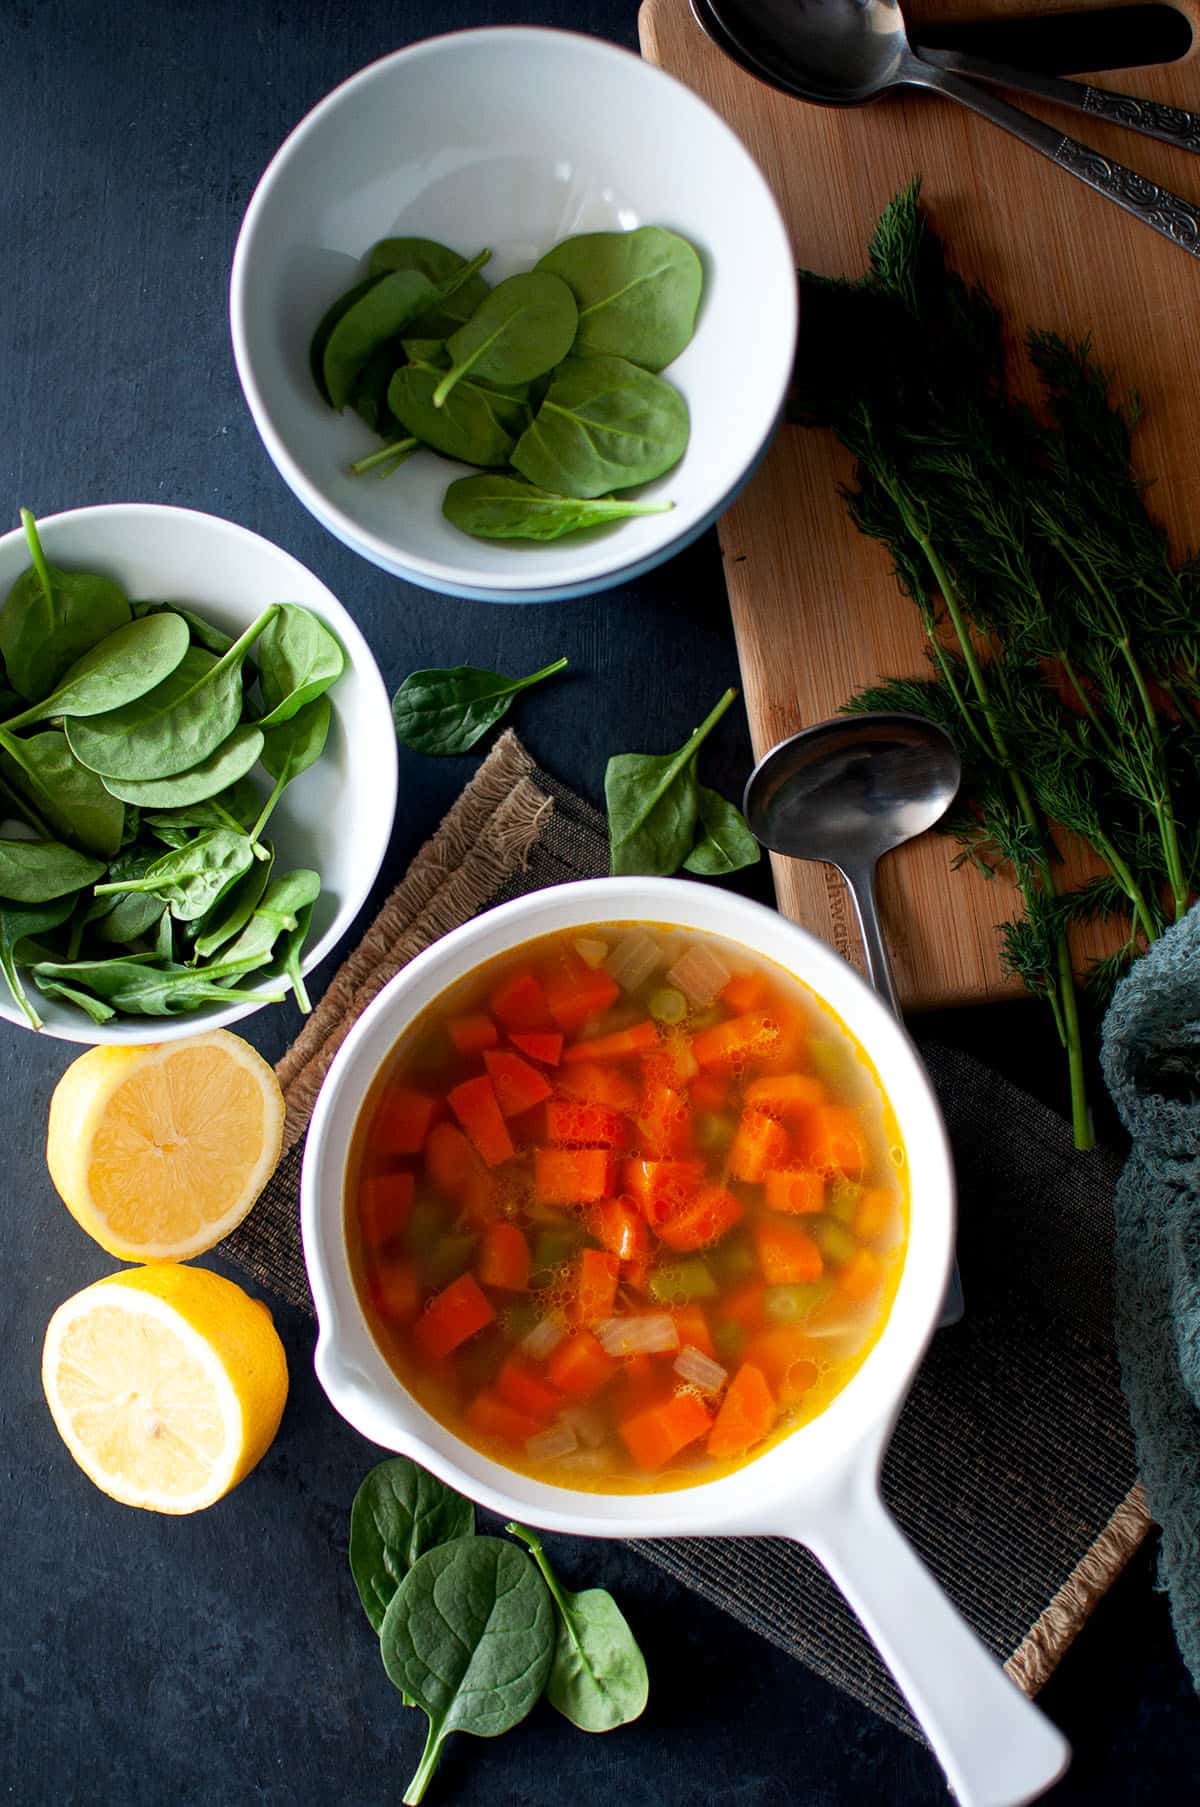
x=1167, y=213
x=861, y=883
x=1173, y=125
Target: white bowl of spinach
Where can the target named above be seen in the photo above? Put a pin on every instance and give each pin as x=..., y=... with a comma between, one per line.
x=197, y=773
x=358, y=301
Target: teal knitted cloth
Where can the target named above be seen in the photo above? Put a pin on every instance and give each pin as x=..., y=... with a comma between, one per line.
x=1151, y=1056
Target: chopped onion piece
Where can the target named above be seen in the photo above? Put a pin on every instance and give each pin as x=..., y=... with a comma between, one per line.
x=587, y=1424
x=700, y=974
x=589, y=1461
x=592, y=953
x=701, y=1370
x=542, y=1340
x=650, y=1333
x=548, y=1446
x=633, y=959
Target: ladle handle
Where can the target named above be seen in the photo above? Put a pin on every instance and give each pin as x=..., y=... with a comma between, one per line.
x=996, y=1747
x=1167, y=213
x=861, y=883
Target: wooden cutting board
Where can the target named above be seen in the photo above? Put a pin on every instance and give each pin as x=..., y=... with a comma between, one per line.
x=815, y=608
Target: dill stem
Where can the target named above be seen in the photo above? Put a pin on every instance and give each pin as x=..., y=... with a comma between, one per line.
x=1081, y=1116
x=1128, y=883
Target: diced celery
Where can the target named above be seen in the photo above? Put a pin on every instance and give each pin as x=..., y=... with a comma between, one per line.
x=520, y=1318
x=729, y=1339
x=834, y=1240
x=843, y=1197
x=550, y=1249
x=714, y=1132
x=734, y=1259
x=789, y=1304
x=828, y=1060
x=679, y=1282
x=426, y=1225
x=447, y=1259
x=667, y=1005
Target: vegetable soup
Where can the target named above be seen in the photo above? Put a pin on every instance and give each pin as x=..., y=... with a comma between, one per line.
x=625, y=1206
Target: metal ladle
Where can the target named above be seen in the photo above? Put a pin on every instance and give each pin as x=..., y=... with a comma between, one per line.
x=842, y=53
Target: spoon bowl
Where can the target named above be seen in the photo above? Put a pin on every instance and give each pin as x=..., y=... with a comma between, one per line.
x=834, y=53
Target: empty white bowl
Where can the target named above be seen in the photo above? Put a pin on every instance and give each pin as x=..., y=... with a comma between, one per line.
x=512, y=138
x=336, y=817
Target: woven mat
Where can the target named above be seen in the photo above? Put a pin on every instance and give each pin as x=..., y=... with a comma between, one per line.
x=1012, y=1467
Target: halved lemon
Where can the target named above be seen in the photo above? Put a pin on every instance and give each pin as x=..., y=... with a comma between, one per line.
x=160, y=1151
x=166, y=1383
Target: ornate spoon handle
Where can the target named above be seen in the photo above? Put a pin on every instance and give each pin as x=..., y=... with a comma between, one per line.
x=1173, y=125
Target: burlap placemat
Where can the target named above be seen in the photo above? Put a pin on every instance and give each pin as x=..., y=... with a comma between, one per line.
x=1012, y=1468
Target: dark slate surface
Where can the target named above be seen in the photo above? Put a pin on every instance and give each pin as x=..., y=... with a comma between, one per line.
x=223, y=1658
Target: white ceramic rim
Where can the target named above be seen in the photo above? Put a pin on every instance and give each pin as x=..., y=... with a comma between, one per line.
x=600, y=574
x=169, y=1029
x=787, y=1479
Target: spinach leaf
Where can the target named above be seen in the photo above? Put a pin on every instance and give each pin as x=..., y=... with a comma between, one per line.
x=277, y=914
x=726, y=843
x=653, y=804
x=16, y=926
x=439, y=264
x=123, y=917
x=476, y=425
x=447, y=711
x=298, y=660
x=16, y=807
x=229, y=917
x=637, y=292
x=71, y=799
x=177, y=724
x=388, y=458
x=525, y=326
x=192, y=878
x=236, y=807
x=290, y=749
x=605, y=424
x=82, y=1000
x=287, y=958
x=141, y=985
x=469, y=1636
x=328, y=320
x=598, y=1679
x=121, y=667
x=377, y=316
x=203, y=633
x=505, y=508
x=399, y=1512
x=211, y=778
x=51, y=617
x=35, y=871
x=433, y=351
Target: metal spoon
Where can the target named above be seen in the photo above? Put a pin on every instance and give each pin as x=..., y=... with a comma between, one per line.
x=846, y=792
x=843, y=53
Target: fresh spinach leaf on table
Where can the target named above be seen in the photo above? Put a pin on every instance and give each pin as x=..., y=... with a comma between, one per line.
x=505, y=508
x=524, y=327
x=469, y=1637
x=476, y=425
x=72, y=800
x=33, y=872
x=51, y=617
x=725, y=843
x=117, y=670
x=447, y=711
x=654, y=809
x=605, y=424
x=299, y=659
x=399, y=1512
x=637, y=292
x=211, y=778
x=598, y=1679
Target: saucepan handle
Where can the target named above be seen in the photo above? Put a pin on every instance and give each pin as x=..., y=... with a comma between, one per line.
x=995, y=1746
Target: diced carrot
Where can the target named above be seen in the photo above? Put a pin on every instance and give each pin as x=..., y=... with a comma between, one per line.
x=593, y=1125
x=640, y=1385
x=595, y=1084
x=692, y=1326
x=704, y=1219
x=449, y=1159
x=787, y=1255
x=761, y=1142
x=830, y=1137
x=672, y=1062
x=784, y=1353
x=518, y=1085
x=746, y=1306
x=504, y=1258
x=477, y=1108
x=544, y=1047
x=521, y=1385
x=455, y=1314
x=571, y=1176
x=489, y=1416
x=528, y=1130
x=794, y=1189
x=785, y=1094
x=638, y=1040
x=636, y=1273
x=709, y=1092
x=481, y=1195
x=745, y=991
x=520, y=1003
x=596, y=1278
x=396, y=1290
x=579, y=1366
x=472, y=1034
x=861, y=1275
x=746, y=1415
x=402, y=1120
x=664, y=1122
x=576, y=991
x=657, y=1434
x=384, y=1202
x=621, y=1228
x=741, y=1038
x=662, y=1188
x=876, y=1214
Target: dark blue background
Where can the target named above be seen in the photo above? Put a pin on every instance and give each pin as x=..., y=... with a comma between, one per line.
x=224, y=1658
